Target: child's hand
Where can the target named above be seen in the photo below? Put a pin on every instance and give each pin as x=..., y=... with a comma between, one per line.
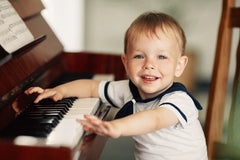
x=94, y=124
x=44, y=93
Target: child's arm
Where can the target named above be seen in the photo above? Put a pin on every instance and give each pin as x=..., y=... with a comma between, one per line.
x=140, y=123
x=78, y=88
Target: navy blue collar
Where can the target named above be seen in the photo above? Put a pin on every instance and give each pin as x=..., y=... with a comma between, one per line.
x=175, y=87
x=127, y=109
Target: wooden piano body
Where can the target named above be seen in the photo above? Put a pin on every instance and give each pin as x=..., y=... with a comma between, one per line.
x=40, y=64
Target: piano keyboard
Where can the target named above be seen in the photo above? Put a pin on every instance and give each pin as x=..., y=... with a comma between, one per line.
x=52, y=123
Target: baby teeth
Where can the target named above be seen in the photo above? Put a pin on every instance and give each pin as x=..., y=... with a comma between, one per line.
x=150, y=77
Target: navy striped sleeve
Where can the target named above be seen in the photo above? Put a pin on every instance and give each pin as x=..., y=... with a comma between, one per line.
x=182, y=114
x=106, y=94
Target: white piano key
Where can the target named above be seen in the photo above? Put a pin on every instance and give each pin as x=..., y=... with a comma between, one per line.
x=68, y=132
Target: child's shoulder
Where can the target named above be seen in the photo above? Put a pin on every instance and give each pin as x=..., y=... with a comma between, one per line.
x=176, y=95
x=115, y=87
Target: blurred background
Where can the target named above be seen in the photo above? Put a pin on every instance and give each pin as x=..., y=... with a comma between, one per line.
x=99, y=26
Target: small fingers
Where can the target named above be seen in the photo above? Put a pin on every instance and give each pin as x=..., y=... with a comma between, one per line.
x=57, y=97
x=32, y=90
x=93, y=124
x=46, y=94
x=86, y=125
x=93, y=119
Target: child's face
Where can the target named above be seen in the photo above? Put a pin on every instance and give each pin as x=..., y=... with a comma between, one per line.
x=152, y=63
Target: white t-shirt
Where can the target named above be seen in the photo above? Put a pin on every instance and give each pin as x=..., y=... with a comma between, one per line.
x=183, y=141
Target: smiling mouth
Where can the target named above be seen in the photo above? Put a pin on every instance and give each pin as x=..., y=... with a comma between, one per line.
x=150, y=78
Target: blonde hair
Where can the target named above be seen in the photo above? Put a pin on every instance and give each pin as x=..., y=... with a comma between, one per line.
x=150, y=22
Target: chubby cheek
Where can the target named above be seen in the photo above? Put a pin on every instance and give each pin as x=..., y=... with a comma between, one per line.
x=166, y=71
x=133, y=70
x=130, y=69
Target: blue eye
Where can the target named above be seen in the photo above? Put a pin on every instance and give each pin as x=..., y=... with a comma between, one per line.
x=162, y=57
x=138, y=57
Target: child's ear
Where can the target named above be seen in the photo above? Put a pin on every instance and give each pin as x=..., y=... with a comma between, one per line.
x=182, y=62
x=124, y=61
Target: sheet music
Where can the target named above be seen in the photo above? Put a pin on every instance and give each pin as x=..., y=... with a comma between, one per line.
x=14, y=34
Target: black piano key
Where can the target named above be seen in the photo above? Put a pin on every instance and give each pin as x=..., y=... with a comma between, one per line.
x=34, y=129
x=56, y=115
x=59, y=110
x=29, y=131
x=28, y=127
x=54, y=119
x=35, y=120
x=63, y=108
x=45, y=112
x=39, y=119
x=46, y=121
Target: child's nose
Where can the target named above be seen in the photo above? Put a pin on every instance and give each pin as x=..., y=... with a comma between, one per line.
x=149, y=64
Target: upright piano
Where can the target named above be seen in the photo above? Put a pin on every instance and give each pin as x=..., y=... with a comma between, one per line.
x=32, y=131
